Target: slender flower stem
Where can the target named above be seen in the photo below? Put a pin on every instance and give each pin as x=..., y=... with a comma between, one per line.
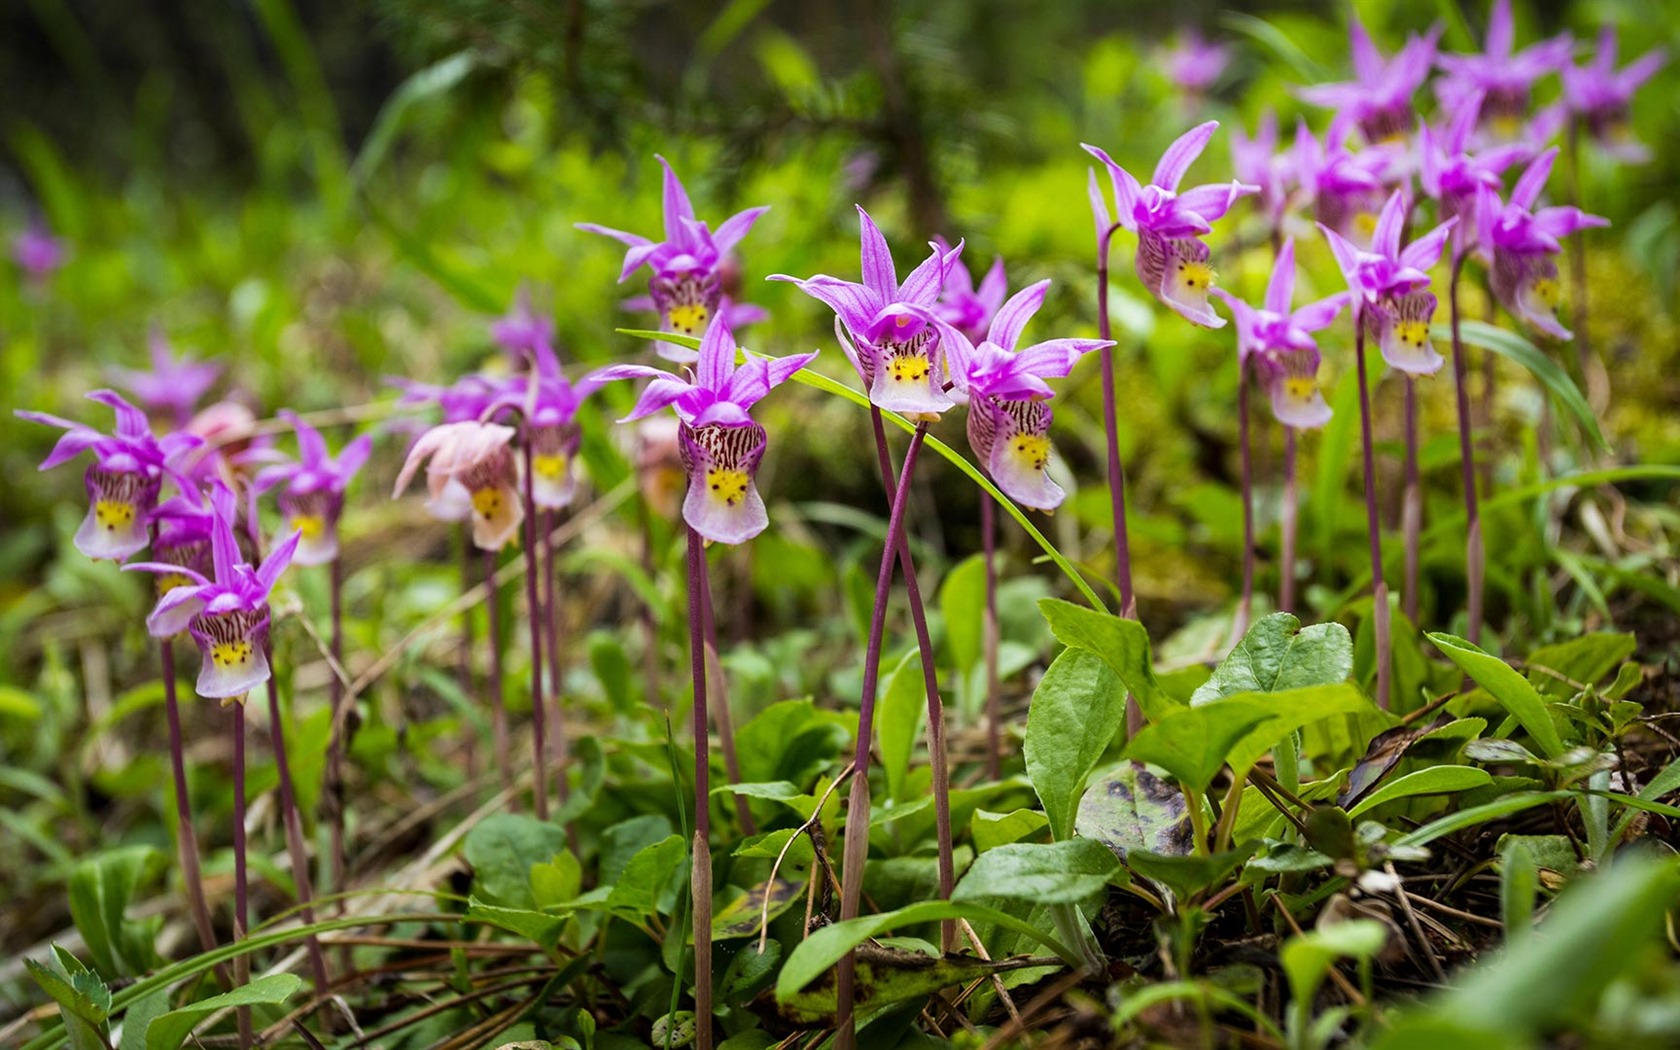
x=294, y=828
x=700, y=881
x=1490, y=369
x=333, y=794
x=857, y=808
x=650, y=625
x=498, y=708
x=1245, y=604
x=1473, y=553
x=186, y=836
x=718, y=699
x=1291, y=523
x=533, y=607
x=1592, y=369
x=464, y=666
x=989, y=640
x=551, y=618
x=1379, y=589
x=1116, y=470
x=1411, y=507
x=937, y=758
x=241, y=889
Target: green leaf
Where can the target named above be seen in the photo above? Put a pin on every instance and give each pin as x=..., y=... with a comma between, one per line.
x=1469, y=818
x=1434, y=780
x=1519, y=886
x=1078, y=706
x=825, y=947
x=100, y=890
x=962, y=604
x=1121, y=643
x=1507, y=686
x=1189, y=874
x=436, y=79
x=1307, y=959
x=991, y=830
x=1565, y=394
x=84, y=1001
x=171, y=1030
x=540, y=928
x=1132, y=808
x=743, y=916
x=1049, y=873
x=557, y=881
x=1277, y=654
x=138, y=1017
x=1585, y=659
x=648, y=885
x=502, y=851
x=899, y=720
x=750, y=972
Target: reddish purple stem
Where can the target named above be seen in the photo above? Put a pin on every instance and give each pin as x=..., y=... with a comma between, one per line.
x=1379, y=589
x=1473, y=552
x=1291, y=519
x=989, y=640
x=294, y=827
x=186, y=835
x=241, y=889
x=533, y=606
x=719, y=702
x=700, y=880
x=1245, y=604
x=1411, y=507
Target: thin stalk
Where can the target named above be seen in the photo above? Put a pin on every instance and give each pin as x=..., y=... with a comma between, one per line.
x=1116, y=470
x=464, y=666
x=1473, y=552
x=1593, y=373
x=937, y=758
x=1379, y=589
x=533, y=614
x=989, y=640
x=294, y=828
x=498, y=708
x=857, y=810
x=1490, y=369
x=186, y=836
x=1291, y=523
x=334, y=781
x=1245, y=604
x=241, y=888
x=1411, y=507
x=551, y=619
x=700, y=881
x=718, y=699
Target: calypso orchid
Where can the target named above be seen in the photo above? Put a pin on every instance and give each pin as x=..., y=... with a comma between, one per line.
x=173, y=386
x=721, y=445
x=125, y=479
x=311, y=487
x=1346, y=188
x=1193, y=64
x=225, y=610
x=1504, y=76
x=1521, y=241
x=37, y=252
x=1390, y=286
x=1379, y=98
x=1599, y=94
x=1278, y=340
x=1008, y=401
x=1257, y=162
x=888, y=329
x=522, y=329
x=687, y=280
x=1172, y=261
x=473, y=460
x=1454, y=177
x=183, y=525
x=549, y=404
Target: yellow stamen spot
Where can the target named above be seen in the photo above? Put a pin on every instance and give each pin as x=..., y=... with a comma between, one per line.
x=1195, y=275
x=231, y=654
x=1412, y=333
x=311, y=525
x=169, y=581
x=1299, y=389
x=1507, y=125
x=487, y=502
x=113, y=514
x=1365, y=223
x=908, y=369
x=550, y=466
x=728, y=487
x=1032, y=450
x=1544, y=290
x=688, y=318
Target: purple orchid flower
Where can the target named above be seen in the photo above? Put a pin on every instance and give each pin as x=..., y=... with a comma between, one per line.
x=887, y=329
x=1599, y=94
x=1278, y=341
x=312, y=496
x=465, y=400
x=183, y=525
x=471, y=465
x=1345, y=188
x=1257, y=162
x=1522, y=242
x=1194, y=65
x=1008, y=400
x=522, y=329
x=1505, y=78
x=721, y=445
x=225, y=610
x=1451, y=175
x=126, y=476
x=963, y=306
x=1379, y=98
x=549, y=404
x=174, y=386
x=1390, y=286
x=1172, y=261
x=37, y=251
x=687, y=281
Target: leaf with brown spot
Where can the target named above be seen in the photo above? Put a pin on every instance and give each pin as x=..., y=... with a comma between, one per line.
x=742, y=916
